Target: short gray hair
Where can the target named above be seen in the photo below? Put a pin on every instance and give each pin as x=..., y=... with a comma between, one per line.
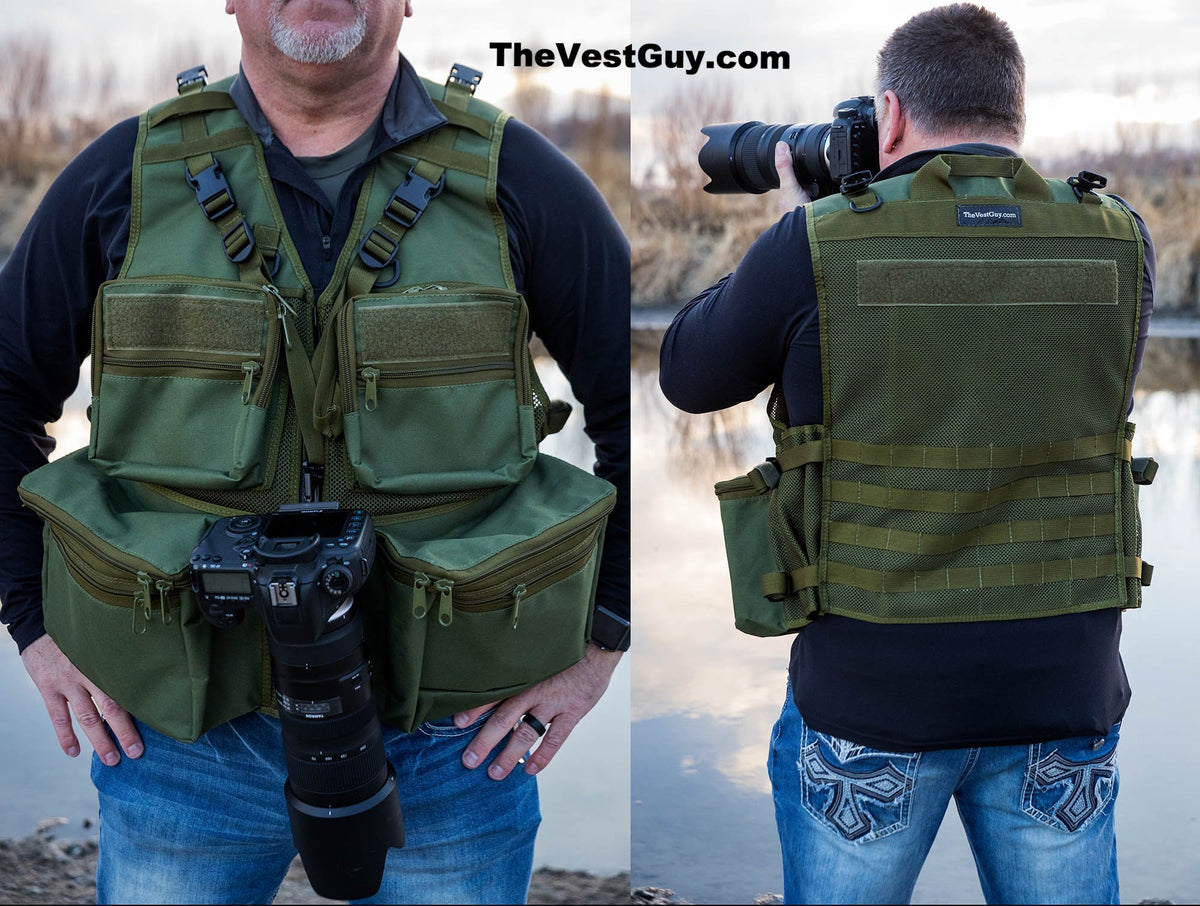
x=956, y=68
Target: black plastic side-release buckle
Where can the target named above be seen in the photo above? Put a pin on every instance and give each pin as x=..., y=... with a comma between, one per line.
x=466, y=76
x=609, y=631
x=190, y=77
x=1086, y=181
x=769, y=472
x=212, y=191
x=1144, y=469
x=411, y=198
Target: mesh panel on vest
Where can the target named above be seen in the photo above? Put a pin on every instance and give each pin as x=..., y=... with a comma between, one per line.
x=960, y=368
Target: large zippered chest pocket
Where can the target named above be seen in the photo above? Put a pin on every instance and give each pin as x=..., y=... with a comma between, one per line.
x=183, y=380
x=436, y=389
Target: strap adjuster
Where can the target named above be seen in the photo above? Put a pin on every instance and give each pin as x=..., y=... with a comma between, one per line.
x=212, y=191
x=411, y=197
x=378, y=249
x=238, y=242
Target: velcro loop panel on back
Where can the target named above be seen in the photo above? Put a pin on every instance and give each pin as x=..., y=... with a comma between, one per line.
x=201, y=323
x=953, y=282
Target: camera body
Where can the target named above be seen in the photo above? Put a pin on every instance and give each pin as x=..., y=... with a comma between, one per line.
x=740, y=157
x=299, y=569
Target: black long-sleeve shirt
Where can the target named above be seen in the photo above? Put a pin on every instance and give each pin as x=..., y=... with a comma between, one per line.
x=569, y=257
x=891, y=686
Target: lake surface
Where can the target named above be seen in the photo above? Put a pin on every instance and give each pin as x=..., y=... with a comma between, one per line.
x=706, y=696
x=584, y=792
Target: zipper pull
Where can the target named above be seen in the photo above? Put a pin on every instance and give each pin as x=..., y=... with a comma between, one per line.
x=163, y=587
x=141, y=603
x=445, y=589
x=282, y=309
x=371, y=376
x=518, y=593
x=420, y=600
x=250, y=369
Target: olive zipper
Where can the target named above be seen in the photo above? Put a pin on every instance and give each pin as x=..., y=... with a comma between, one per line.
x=486, y=592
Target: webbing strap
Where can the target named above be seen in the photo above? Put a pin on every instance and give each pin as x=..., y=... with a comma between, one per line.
x=379, y=250
x=1000, y=575
x=1010, y=532
x=300, y=378
x=193, y=102
x=989, y=457
x=933, y=179
x=458, y=116
x=925, y=501
x=216, y=199
x=207, y=144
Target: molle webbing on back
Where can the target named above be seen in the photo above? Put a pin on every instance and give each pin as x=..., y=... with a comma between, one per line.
x=974, y=463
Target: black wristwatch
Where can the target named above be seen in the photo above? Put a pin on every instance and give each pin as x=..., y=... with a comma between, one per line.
x=609, y=631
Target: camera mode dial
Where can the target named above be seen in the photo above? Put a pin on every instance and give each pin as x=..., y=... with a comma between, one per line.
x=337, y=579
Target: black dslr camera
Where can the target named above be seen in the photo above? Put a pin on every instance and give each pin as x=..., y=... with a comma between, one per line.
x=740, y=157
x=299, y=569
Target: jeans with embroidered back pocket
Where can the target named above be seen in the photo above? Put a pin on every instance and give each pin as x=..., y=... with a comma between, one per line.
x=856, y=823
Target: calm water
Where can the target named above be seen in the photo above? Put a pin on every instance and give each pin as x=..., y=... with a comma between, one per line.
x=706, y=696
x=584, y=793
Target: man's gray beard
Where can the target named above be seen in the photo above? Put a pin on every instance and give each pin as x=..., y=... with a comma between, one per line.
x=309, y=49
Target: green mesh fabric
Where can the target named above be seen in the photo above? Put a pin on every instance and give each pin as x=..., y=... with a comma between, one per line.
x=1001, y=340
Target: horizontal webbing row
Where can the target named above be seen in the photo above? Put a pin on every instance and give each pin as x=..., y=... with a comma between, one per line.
x=1009, y=532
x=989, y=457
x=1001, y=575
x=925, y=501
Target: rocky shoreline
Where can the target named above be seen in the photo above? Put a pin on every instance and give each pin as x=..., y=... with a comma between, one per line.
x=42, y=868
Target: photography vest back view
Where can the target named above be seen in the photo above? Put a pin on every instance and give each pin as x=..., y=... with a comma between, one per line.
x=978, y=325
x=222, y=384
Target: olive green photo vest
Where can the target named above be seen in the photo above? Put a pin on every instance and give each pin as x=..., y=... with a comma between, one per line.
x=978, y=326
x=222, y=384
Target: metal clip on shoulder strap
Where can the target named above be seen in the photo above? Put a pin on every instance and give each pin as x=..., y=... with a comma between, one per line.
x=461, y=85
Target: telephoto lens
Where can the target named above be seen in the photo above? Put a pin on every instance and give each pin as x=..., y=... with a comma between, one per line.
x=740, y=157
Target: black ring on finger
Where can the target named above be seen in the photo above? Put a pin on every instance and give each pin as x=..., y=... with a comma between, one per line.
x=538, y=727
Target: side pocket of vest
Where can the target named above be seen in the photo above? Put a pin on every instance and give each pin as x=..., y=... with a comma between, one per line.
x=437, y=394
x=126, y=616
x=479, y=614
x=771, y=522
x=183, y=381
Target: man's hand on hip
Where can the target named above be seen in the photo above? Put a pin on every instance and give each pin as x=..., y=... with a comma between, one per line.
x=65, y=690
x=559, y=703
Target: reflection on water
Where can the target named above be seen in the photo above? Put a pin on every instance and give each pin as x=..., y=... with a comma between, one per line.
x=706, y=696
x=584, y=793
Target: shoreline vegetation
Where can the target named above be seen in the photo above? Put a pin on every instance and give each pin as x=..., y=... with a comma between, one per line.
x=41, y=868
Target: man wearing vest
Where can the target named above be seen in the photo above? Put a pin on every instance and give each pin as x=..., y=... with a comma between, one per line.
x=949, y=522
x=315, y=282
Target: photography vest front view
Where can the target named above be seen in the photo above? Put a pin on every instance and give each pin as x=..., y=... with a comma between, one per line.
x=978, y=325
x=222, y=384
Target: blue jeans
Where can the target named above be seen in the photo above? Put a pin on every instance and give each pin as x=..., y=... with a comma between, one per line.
x=856, y=823
x=207, y=822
